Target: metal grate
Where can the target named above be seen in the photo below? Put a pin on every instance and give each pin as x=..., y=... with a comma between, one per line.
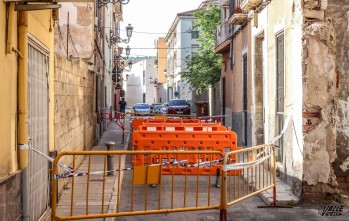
x=38, y=131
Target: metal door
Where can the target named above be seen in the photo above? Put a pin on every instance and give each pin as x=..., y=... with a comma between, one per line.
x=38, y=96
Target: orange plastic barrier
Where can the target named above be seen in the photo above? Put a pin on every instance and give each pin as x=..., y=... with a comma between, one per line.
x=140, y=121
x=217, y=138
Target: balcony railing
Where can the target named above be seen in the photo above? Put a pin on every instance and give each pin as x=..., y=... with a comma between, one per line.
x=250, y=4
x=223, y=32
x=238, y=16
x=225, y=2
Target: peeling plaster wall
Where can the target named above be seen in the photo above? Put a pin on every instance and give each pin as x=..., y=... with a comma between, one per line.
x=319, y=95
x=338, y=11
x=81, y=28
x=278, y=17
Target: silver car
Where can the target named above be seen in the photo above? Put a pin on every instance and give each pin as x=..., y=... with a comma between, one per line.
x=164, y=107
x=142, y=108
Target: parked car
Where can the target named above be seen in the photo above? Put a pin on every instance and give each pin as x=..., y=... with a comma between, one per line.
x=178, y=106
x=152, y=106
x=142, y=108
x=157, y=109
x=164, y=107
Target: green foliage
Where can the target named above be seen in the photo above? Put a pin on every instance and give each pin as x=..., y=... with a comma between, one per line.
x=204, y=69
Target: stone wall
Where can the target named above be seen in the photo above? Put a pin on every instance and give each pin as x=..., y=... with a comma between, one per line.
x=75, y=119
x=320, y=89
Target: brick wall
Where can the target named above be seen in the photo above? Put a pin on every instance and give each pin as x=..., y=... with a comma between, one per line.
x=321, y=191
x=75, y=120
x=343, y=184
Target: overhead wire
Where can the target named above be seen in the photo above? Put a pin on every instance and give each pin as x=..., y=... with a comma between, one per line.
x=144, y=32
x=61, y=37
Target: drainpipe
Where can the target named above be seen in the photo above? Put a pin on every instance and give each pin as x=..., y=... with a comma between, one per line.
x=23, y=109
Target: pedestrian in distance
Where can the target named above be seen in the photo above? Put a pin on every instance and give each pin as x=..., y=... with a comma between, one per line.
x=122, y=105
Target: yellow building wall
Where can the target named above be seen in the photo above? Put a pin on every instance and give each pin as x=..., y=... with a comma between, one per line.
x=39, y=26
x=162, y=62
x=8, y=98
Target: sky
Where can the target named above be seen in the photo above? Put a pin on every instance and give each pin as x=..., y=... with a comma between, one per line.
x=151, y=19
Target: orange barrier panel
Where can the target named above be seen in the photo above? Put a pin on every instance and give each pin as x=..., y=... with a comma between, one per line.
x=180, y=139
x=182, y=127
x=140, y=121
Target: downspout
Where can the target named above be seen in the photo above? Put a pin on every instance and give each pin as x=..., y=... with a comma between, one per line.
x=23, y=109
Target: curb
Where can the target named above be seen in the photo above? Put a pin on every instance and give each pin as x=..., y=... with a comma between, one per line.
x=113, y=199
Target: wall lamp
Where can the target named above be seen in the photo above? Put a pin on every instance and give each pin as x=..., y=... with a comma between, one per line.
x=102, y=3
x=121, y=67
x=167, y=75
x=114, y=38
x=117, y=56
x=155, y=81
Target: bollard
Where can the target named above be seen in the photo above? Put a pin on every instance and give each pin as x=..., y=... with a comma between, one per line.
x=110, y=161
x=218, y=180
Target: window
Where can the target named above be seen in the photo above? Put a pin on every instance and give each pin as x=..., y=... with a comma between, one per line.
x=144, y=78
x=194, y=31
x=194, y=50
x=174, y=61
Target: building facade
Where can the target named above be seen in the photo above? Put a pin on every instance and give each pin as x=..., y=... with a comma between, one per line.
x=180, y=44
x=234, y=43
x=297, y=88
x=161, y=80
x=26, y=107
x=139, y=89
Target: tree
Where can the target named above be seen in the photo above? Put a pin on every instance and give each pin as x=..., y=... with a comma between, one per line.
x=204, y=69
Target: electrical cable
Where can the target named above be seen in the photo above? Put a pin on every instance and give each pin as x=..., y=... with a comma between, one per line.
x=61, y=38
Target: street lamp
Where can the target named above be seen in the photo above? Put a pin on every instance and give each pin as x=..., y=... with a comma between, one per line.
x=114, y=38
x=155, y=81
x=122, y=68
x=102, y=3
x=128, y=51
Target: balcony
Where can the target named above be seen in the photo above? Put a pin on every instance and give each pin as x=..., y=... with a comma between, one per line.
x=225, y=2
x=250, y=4
x=239, y=15
x=223, y=32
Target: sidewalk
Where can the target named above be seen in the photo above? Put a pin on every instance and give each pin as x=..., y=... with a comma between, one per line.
x=284, y=195
x=113, y=133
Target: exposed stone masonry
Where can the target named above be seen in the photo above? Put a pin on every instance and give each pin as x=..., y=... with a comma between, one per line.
x=323, y=76
x=74, y=112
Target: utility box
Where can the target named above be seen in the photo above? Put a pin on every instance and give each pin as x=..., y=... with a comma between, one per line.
x=201, y=108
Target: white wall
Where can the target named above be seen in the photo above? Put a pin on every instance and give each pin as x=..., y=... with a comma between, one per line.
x=135, y=86
x=182, y=48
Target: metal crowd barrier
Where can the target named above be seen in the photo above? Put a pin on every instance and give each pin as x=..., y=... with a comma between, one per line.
x=146, y=190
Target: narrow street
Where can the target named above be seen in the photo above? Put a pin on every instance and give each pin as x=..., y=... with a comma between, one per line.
x=254, y=92
x=242, y=211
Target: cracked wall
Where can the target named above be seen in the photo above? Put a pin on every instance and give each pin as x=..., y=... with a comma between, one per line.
x=79, y=42
x=319, y=96
x=338, y=11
